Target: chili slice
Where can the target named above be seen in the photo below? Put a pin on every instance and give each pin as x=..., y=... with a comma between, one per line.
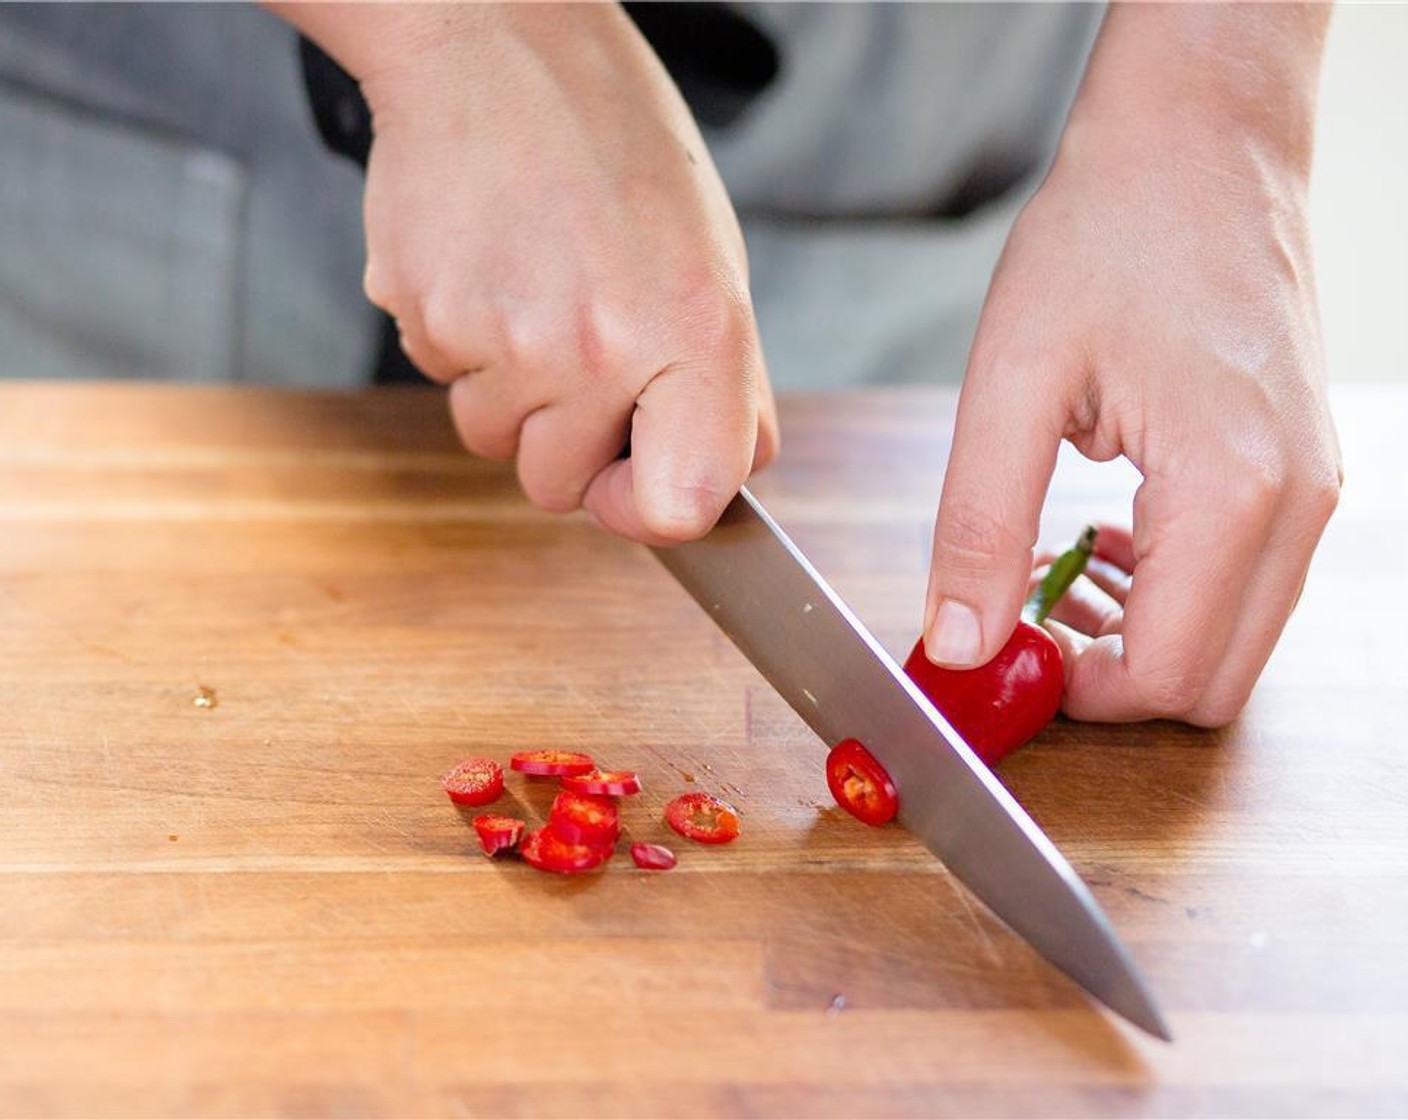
x=702, y=817
x=475, y=781
x=496, y=833
x=552, y=764
x=653, y=857
x=547, y=851
x=860, y=784
x=581, y=818
x=605, y=783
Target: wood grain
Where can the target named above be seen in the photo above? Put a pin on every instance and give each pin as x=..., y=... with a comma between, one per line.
x=267, y=907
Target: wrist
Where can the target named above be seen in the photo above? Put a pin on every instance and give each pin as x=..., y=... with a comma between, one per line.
x=1226, y=87
x=390, y=48
x=407, y=56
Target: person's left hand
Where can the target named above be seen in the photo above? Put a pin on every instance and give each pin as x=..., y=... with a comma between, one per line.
x=1155, y=300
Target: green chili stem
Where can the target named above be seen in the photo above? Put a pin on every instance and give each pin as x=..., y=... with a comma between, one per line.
x=1062, y=573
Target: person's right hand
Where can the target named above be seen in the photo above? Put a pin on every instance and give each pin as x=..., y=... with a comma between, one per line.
x=555, y=244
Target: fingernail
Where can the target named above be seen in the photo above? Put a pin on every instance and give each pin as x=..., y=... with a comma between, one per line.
x=955, y=636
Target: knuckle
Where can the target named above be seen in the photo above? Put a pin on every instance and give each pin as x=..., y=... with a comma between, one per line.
x=552, y=495
x=603, y=339
x=1323, y=495
x=487, y=446
x=589, y=339
x=531, y=345
x=592, y=353
x=480, y=431
x=377, y=287
x=442, y=320
x=437, y=321
x=992, y=358
x=715, y=316
x=1218, y=713
x=1253, y=491
x=1170, y=691
x=546, y=480
x=1170, y=696
x=769, y=444
x=970, y=542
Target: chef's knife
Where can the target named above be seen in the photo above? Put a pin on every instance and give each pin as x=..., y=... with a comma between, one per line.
x=776, y=608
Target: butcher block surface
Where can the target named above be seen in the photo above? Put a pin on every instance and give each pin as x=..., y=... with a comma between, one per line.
x=243, y=632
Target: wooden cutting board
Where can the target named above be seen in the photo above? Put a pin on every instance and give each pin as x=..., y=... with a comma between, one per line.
x=267, y=906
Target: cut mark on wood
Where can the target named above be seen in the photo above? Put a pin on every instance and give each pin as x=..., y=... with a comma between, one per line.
x=989, y=948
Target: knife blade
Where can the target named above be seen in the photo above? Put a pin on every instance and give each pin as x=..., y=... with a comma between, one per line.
x=784, y=617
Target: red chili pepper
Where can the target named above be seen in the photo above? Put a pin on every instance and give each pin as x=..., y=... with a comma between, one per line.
x=547, y=851
x=860, y=784
x=581, y=818
x=496, y=833
x=702, y=817
x=552, y=764
x=1001, y=705
x=475, y=781
x=611, y=783
x=653, y=857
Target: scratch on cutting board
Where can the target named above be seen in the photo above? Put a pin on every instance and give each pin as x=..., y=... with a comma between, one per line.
x=105, y=752
x=685, y=775
x=989, y=948
x=62, y=742
x=1205, y=806
x=706, y=732
x=412, y=709
x=320, y=915
x=60, y=626
x=395, y=823
x=459, y=713
x=31, y=749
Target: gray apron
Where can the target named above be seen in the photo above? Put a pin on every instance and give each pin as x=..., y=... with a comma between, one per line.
x=167, y=210
x=166, y=207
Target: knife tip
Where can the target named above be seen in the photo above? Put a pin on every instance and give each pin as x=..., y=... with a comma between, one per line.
x=1158, y=1028
x=1140, y=1009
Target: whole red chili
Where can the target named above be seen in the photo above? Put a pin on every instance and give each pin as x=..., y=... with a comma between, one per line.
x=1002, y=705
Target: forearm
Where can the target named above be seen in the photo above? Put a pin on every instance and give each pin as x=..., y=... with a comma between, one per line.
x=1227, y=79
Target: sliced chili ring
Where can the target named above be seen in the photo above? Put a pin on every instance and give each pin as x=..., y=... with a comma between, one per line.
x=653, y=857
x=860, y=784
x=605, y=783
x=475, y=781
x=496, y=833
x=582, y=818
x=547, y=851
x=702, y=817
x=552, y=764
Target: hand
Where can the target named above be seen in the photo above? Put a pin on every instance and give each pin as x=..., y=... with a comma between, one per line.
x=547, y=228
x=1154, y=300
